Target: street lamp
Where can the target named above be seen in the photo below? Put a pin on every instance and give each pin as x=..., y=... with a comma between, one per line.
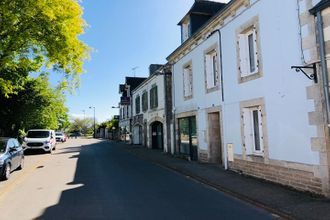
x=94, y=134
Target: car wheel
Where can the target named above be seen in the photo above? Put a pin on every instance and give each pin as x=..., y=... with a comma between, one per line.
x=6, y=173
x=21, y=166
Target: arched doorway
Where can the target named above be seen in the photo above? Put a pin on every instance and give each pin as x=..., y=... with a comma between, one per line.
x=157, y=135
x=137, y=134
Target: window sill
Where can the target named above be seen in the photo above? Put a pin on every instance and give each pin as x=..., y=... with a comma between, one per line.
x=188, y=97
x=243, y=79
x=213, y=89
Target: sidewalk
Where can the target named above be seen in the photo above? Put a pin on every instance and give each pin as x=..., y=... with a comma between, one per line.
x=277, y=199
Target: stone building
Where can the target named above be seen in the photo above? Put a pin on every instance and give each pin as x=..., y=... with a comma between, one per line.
x=151, y=107
x=240, y=97
x=125, y=110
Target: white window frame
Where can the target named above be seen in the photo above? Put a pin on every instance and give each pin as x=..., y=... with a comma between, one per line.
x=211, y=69
x=185, y=30
x=187, y=81
x=250, y=132
x=244, y=52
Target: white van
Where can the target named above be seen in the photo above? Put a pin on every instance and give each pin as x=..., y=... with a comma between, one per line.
x=40, y=139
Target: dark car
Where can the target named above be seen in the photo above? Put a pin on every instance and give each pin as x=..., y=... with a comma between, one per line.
x=11, y=157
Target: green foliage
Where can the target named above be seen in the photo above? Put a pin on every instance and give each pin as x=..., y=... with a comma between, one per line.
x=36, y=105
x=37, y=34
x=85, y=126
x=113, y=123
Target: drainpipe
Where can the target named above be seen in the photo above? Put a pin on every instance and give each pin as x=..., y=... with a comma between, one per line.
x=323, y=63
x=173, y=110
x=225, y=157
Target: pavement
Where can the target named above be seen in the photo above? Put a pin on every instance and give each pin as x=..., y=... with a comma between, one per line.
x=283, y=201
x=97, y=179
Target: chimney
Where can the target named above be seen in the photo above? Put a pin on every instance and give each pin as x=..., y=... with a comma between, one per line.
x=153, y=68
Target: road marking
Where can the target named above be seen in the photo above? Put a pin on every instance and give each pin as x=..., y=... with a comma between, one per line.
x=20, y=178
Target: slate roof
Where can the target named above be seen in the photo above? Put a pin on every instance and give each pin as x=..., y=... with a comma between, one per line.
x=134, y=81
x=320, y=6
x=204, y=7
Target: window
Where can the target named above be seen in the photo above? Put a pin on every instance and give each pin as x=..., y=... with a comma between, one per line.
x=185, y=31
x=187, y=82
x=211, y=69
x=137, y=104
x=145, y=101
x=253, y=130
x=248, y=52
x=188, y=137
x=153, y=97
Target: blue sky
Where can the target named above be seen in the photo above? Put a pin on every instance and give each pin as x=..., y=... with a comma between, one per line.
x=124, y=34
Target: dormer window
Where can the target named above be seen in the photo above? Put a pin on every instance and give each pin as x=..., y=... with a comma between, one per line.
x=185, y=30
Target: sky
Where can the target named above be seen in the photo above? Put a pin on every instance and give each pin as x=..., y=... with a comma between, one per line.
x=124, y=34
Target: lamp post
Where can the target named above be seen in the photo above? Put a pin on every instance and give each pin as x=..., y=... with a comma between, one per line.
x=94, y=134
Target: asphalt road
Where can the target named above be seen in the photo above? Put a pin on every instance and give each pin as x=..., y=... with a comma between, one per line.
x=92, y=179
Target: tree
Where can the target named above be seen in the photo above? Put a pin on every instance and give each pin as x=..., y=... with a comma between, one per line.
x=84, y=126
x=37, y=34
x=36, y=105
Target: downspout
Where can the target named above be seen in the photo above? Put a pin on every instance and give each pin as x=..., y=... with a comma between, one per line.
x=173, y=111
x=225, y=157
x=323, y=63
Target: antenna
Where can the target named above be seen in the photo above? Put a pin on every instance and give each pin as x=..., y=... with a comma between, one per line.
x=133, y=70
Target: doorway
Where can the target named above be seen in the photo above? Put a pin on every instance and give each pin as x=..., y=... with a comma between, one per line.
x=157, y=135
x=137, y=134
x=214, y=137
x=188, y=137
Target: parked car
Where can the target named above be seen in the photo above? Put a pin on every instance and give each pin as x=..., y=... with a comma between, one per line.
x=75, y=134
x=40, y=139
x=11, y=157
x=60, y=137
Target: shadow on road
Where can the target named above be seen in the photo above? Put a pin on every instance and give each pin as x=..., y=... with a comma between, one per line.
x=76, y=203
x=110, y=183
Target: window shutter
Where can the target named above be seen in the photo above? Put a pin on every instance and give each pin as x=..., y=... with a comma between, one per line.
x=248, y=132
x=209, y=71
x=256, y=56
x=190, y=82
x=216, y=74
x=185, y=82
x=260, y=130
x=156, y=97
x=243, y=56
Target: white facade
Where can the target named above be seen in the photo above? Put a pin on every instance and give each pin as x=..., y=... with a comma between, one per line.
x=145, y=118
x=284, y=91
x=201, y=101
x=273, y=90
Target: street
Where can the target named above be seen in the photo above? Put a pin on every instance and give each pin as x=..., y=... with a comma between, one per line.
x=94, y=179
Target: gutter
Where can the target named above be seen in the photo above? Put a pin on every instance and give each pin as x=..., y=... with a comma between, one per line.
x=323, y=63
x=225, y=157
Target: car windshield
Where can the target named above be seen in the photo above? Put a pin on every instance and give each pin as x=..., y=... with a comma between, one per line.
x=58, y=134
x=38, y=134
x=3, y=145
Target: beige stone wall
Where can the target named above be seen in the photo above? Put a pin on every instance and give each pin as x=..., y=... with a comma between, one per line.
x=298, y=179
x=320, y=143
x=203, y=156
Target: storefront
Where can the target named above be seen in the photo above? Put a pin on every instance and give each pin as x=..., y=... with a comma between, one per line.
x=188, y=137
